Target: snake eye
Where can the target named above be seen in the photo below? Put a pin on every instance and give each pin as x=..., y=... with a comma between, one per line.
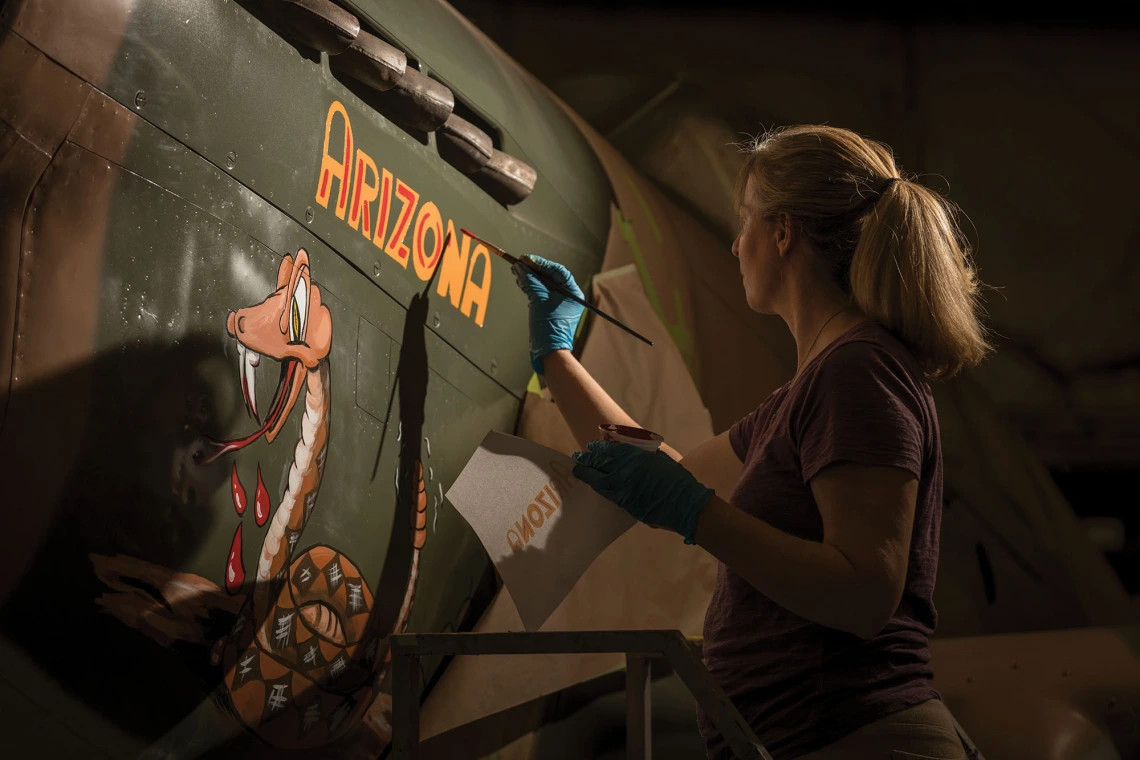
x=299, y=311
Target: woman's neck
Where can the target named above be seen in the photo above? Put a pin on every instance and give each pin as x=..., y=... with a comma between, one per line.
x=817, y=318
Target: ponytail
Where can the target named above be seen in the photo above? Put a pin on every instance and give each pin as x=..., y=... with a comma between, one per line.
x=909, y=271
x=892, y=244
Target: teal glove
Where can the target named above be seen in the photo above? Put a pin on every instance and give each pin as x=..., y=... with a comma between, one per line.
x=553, y=317
x=650, y=485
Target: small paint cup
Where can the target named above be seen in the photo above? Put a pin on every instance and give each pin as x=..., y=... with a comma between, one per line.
x=634, y=436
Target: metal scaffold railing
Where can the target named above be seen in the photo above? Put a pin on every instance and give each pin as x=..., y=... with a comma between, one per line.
x=639, y=647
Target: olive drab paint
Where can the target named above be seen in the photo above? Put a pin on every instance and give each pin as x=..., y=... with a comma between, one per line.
x=359, y=184
x=172, y=199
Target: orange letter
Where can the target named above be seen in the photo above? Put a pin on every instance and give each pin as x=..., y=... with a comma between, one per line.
x=361, y=202
x=477, y=294
x=534, y=514
x=330, y=167
x=525, y=530
x=541, y=499
x=382, y=209
x=454, y=266
x=516, y=543
x=429, y=219
x=396, y=247
x=553, y=496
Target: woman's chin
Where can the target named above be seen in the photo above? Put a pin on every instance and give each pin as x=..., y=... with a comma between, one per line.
x=756, y=303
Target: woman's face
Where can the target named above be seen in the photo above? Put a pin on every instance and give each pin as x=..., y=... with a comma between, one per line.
x=757, y=248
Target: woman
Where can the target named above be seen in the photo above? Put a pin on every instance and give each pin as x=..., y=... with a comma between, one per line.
x=824, y=504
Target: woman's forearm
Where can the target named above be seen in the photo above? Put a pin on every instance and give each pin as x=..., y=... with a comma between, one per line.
x=583, y=403
x=811, y=579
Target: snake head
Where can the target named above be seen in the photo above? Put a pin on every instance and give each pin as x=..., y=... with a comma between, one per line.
x=291, y=323
x=292, y=326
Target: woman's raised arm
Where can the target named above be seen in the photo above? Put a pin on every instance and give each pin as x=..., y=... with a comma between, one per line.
x=553, y=322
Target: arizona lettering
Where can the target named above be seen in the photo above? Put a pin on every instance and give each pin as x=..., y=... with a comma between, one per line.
x=387, y=210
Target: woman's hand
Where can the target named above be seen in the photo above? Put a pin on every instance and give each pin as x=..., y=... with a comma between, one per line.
x=553, y=317
x=650, y=485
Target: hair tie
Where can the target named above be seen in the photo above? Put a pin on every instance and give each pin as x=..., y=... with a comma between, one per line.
x=887, y=183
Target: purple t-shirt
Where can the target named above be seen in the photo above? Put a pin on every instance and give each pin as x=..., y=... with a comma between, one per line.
x=799, y=684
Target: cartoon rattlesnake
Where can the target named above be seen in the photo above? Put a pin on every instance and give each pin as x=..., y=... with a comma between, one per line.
x=301, y=662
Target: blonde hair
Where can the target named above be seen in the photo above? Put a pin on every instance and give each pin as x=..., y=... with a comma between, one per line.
x=894, y=246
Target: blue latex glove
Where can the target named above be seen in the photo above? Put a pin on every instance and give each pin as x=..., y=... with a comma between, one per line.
x=553, y=317
x=650, y=485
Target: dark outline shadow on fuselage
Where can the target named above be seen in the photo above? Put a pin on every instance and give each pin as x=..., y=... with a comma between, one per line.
x=132, y=489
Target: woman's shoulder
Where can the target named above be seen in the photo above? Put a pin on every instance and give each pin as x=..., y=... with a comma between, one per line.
x=872, y=345
x=867, y=378
x=868, y=355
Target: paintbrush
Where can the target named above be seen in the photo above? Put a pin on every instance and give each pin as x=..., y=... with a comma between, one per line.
x=512, y=260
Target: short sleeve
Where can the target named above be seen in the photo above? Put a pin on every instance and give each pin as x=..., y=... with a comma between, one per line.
x=740, y=435
x=862, y=407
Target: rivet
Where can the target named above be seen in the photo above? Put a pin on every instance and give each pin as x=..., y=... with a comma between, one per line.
x=309, y=215
x=435, y=319
x=375, y=268
x=494, y=366
x=140, y=99
x=231, y=159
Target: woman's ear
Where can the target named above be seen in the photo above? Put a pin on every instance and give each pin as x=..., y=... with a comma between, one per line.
x=787, y=234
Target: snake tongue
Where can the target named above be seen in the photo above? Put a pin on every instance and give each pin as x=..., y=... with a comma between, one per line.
x=289, y=373
x=289, y=387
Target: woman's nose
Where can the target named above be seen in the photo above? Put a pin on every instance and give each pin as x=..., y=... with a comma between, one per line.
x=736, y=247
